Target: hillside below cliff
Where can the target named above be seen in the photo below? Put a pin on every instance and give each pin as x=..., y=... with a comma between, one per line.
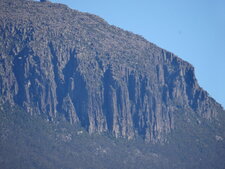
x=65, y=66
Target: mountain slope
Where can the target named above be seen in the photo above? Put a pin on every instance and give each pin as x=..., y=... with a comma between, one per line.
x=60, y=62
x=76, y=92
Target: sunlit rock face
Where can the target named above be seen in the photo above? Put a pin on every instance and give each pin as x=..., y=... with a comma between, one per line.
x=61, y=63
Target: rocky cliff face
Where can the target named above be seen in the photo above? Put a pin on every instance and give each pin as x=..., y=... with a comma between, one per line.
x=62, y=63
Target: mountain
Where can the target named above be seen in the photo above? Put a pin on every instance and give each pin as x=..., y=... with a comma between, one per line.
x=85, y=80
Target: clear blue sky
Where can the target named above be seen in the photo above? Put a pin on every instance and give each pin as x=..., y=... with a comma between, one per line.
x=192, y=29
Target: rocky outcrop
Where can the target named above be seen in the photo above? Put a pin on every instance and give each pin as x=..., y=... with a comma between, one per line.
x=61, y=63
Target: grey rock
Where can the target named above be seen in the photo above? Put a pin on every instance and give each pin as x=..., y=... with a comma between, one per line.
x=58, y=62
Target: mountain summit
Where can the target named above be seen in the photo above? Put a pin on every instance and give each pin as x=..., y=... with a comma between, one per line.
x=66, y=65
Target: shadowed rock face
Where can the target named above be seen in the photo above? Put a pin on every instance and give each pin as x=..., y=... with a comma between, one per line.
x=62, y=63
